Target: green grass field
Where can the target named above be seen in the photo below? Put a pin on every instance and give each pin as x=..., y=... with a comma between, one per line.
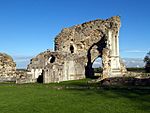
x=79, y=98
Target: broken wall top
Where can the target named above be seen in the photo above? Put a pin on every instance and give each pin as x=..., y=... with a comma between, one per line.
x=83, y=38
x=42, y=59
x=6, y=59
x=84, y=35
x=7, y=65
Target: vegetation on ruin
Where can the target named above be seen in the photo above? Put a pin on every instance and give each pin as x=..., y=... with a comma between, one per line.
x=76, y=97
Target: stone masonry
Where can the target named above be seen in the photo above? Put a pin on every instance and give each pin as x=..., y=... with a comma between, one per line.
x=76, y=48
x=7, y=68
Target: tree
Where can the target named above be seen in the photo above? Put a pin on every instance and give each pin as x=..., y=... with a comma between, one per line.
x=147, y=62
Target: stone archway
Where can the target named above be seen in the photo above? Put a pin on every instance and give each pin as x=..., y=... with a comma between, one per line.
x=96, y=50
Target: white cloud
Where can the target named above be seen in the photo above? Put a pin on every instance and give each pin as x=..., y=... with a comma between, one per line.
x=22, y=61
x=135, y=51
x=129, y=62
x=134, y=62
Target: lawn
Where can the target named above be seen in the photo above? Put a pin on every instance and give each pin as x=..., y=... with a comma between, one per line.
x=72, y=97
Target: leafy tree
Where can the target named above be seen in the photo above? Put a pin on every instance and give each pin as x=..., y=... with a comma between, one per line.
x=147, y=62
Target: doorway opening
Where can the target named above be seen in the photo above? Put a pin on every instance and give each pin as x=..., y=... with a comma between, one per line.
x=40, y=78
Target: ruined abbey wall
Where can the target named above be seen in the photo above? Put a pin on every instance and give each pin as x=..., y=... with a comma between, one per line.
x=7, y=68
x=76, y=48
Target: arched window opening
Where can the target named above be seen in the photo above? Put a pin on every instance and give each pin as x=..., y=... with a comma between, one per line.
x=71, y=49
x=52, y=59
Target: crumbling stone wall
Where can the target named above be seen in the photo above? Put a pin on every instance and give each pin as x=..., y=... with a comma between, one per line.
x=76, y=48
x=70, y=67
x=23, y=76
x=56, y=67
x=98, y=38
x=37, y=65
x=7, y=68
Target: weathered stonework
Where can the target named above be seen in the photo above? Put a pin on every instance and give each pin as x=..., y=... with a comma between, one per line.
x=76, y=48
x=23, y=76
x=7, y=68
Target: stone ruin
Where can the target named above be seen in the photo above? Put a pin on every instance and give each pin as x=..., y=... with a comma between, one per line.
x=76, y=48
x=7, y=68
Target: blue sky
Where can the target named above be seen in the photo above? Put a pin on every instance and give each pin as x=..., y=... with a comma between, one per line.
x=28, y=27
